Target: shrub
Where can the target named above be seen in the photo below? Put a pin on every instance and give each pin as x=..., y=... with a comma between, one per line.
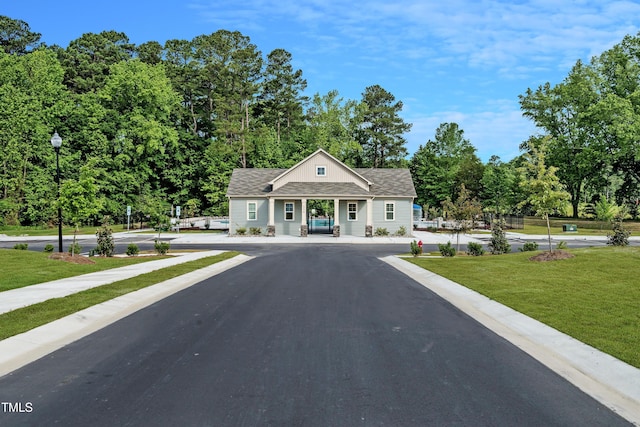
x=241, y=231
x=161, y=247
x=380, y=231
x=415, y=249
x=529, y=247
x=446, y=250
x=75, y=248
x=255, y=231
x=499, y=244
x=475, y=249
x=402, y=231
x=106, y=245
x=620, y=236
x=132, y=249
x=48, y=248
x=21, y=246
x=562, y=245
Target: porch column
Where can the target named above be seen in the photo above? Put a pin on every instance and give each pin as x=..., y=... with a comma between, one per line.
x=304, y=228
x=368, y=230
x=336, y=217
x=271, y=225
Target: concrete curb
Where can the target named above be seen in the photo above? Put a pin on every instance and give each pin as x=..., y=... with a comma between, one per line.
x=22, y=349
x=605, y=378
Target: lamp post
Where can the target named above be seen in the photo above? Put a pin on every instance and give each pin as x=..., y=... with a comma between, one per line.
x=56, y=141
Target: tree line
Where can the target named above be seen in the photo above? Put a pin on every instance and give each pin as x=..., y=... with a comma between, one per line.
x=153, y=126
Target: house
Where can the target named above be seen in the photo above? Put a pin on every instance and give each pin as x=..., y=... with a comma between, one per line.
x=275, y=200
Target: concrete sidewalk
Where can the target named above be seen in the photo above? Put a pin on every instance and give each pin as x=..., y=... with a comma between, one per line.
x=28, y=295
x=612, y=382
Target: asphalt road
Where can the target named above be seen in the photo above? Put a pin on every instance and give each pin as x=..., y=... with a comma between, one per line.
x=299, y=336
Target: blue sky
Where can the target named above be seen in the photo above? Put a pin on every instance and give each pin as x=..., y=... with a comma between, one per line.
x=463, y=61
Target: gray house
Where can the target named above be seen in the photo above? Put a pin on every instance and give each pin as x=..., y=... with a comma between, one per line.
x=275, y=200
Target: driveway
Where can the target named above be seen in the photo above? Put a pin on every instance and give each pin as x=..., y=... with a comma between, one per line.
x=301, y=335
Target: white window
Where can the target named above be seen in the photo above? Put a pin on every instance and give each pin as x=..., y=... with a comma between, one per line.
x=352, y=211
x=288, y=211
x=252, y=211
x=389, y=211
x=321, y=171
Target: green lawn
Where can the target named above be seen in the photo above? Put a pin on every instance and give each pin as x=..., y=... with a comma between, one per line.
x=27, y=318
x=24, y=268
x=594, y=297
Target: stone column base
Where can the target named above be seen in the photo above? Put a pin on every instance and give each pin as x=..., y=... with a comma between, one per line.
x=304, y=230
x=271, y=230
x=368, y=231
x=336, y=231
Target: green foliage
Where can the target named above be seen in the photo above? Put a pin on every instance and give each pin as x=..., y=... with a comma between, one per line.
x=529, y=247
x=462, y=213
x=106, y=245
x=75, y=248
x=562, y=245
x=381, y=231
x=475, y=249
x=402, y=231
x=161, y=247
x=132, y=249
x=21, y=246
x=447, y=250
x=499, y=244
x=415, y=248
x=255, y=231
x=48, y=248
x=241, y=231
x=619, y=235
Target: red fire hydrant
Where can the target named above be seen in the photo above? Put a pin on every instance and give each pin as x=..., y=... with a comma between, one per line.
x=420, y=246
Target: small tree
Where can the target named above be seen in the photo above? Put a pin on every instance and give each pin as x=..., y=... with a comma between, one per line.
x=544, y=191
x=104, y=234
x=619, y=235
x=499, y=243
x=463, y=211
x=605, y=211
x=79, y=201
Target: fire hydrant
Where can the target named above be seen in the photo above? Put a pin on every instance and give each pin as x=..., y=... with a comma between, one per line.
x=420, y=246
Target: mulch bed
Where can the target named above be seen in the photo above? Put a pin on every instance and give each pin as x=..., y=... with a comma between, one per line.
x=76, y=259
x=551, y=256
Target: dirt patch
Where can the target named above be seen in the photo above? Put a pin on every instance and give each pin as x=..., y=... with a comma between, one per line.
x=76, y=259
x=551, y=256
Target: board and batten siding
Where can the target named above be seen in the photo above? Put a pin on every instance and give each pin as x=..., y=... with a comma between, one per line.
x=238, y=214
x=306, y=172
x=403, y=215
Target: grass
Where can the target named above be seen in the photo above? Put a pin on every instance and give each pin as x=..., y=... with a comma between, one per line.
x=593, y=297
x=27, y=318
x=47, y=231
x=24, y=268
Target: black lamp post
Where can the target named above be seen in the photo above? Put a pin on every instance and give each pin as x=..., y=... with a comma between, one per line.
x=56, y=141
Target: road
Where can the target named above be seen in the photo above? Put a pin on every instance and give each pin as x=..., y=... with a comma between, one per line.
x=299, y=336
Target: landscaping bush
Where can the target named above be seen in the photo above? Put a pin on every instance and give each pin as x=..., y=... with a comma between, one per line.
x=402, y=231
x=48, y=248
x=447, y=250
x=415, y=249
x=529, y=247
x=162, y=247
x=75, y=248
x=21, y=246
x=255, y=231
x=562, y=245
x=132, y=249
x=380, y=231
x=620, y=236
x=499, y=244
x=475, y=249
x=106, y=246
x=241, y=231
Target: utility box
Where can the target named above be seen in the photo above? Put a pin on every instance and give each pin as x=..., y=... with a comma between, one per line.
x=569, y=228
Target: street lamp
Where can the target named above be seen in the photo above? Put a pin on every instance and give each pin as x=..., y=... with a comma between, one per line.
x=56, y=141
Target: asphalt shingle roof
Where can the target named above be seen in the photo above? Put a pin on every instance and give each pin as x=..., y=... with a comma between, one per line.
x=386, y=182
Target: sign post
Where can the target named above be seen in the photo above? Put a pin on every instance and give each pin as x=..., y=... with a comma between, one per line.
x=128, y=217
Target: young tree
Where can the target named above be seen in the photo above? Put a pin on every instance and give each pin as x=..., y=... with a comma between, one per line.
x=463, y=212
x=544, y=191
x=381, y=129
